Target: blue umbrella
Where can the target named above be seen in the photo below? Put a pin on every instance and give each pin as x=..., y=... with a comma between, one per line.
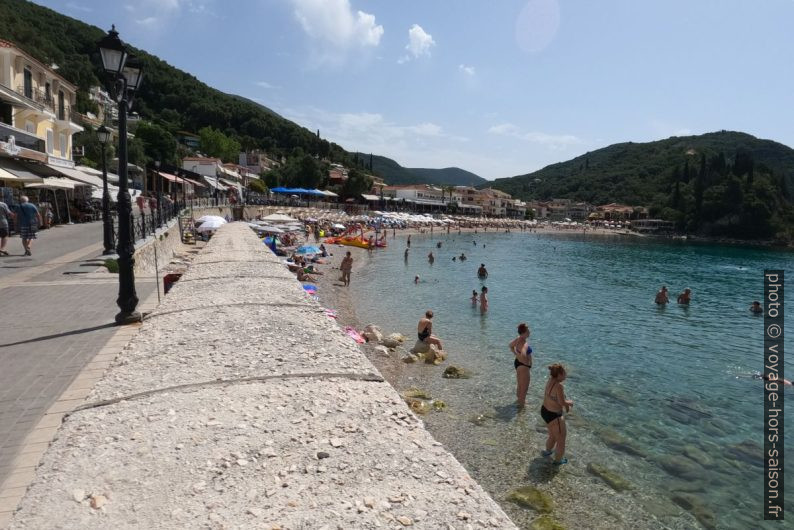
x=308, y=249
x=279, y=190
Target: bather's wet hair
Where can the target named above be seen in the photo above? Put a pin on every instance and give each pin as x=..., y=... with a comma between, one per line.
x=429, y=314
x=523, y=328
x=556, y=370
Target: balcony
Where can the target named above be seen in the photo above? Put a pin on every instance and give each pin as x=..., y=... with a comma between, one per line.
x=21, y=138
x=44, y=100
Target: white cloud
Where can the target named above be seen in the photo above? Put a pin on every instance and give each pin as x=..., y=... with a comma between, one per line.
x=333, y=22
x=468, y=70
x=264, y=84
x=419, y=44
x=551, y=141
x=160, y=11
x=148, y=21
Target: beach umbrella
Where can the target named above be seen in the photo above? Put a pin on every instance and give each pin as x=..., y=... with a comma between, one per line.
x=339, y=226
x=278, y=217
x=308, y=249
x=211, y=224
x=205, y=218
x=270, y=230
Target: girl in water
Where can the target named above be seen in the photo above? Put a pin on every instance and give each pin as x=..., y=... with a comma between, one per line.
x=522, y=351
x=473, y=296
x=554, y=402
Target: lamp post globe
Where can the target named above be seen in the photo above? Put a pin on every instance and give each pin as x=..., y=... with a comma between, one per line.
x=103, y=135
x=126, y=73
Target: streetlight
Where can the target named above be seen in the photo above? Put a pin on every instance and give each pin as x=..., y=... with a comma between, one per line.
x=157, y=186
x=125, y=72
x=103, y=135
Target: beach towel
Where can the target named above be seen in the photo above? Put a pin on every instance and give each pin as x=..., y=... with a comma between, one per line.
x=355, y=335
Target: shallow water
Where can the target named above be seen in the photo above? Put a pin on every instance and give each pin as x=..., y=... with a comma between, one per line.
x=663, y=397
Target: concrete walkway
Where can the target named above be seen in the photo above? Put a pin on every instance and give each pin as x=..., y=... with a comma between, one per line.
x=57, y=316
x=240, y=404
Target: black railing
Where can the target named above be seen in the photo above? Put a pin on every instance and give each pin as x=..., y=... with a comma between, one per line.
x=39, y=96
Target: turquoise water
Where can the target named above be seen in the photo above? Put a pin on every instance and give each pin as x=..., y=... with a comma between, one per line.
x=663, y=396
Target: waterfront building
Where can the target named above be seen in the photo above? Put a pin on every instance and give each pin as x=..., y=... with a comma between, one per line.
x=37, y=118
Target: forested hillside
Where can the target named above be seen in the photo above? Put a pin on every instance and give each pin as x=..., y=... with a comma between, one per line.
x=394, y=173
x=720, y=184
x=169, y=99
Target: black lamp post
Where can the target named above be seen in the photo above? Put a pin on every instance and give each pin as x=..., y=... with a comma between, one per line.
x=158, y=189
x=125, y=72
x=103, y=135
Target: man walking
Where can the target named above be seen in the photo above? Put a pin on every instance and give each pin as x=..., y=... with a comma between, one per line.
x=29, y=222
x=5, y=213
x=347, y=266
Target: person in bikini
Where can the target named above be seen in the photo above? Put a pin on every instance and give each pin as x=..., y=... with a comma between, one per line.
x=522, y=351
x=474, y=296
x=554, y=402
x=425, y=331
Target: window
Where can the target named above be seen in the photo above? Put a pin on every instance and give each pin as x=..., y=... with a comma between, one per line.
x=28, y=88
x=50, y=141
x=30, y=127
x=63, y=144
x=61, y=109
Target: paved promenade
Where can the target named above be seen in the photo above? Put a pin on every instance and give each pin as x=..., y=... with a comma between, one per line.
x=240, y=404
x=57, y=316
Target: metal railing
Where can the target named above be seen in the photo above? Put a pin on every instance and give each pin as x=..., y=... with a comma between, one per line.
x=37, y=95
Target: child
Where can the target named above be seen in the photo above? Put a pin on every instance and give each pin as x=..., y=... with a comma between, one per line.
x=474, y=297
x=484, y=300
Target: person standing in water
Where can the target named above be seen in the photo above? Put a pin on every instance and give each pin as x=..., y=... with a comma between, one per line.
x=661, y=296
x=685, y=297
x=522, y=351
x=554, y=401
x=409, y=241
x=347, y=267
x=431, y=258
x=474, y=297
x=482, y=273
x=484, y=300
x=406, y=254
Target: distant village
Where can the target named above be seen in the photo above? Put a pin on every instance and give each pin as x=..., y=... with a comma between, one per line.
x=37, y=157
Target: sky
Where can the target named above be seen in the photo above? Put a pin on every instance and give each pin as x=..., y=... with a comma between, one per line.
x=499, y=88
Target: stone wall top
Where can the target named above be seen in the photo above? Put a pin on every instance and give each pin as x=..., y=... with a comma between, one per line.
x=240, y=404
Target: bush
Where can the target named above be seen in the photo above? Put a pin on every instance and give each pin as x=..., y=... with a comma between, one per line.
x=112, y=266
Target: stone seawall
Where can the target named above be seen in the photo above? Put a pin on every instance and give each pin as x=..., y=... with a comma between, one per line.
x=240, y=404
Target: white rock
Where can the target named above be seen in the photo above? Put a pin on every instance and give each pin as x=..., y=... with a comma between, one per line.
x=78, y=495
x=383, y=350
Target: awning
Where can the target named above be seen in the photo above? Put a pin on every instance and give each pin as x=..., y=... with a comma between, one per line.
x=79, y=176
x=20, y=171
x=5, y=175
x=230, y=183
x=329, y=193
x=213, y=182
x=228, y=172
x=168, y=176
x=112, y=177
x=54, y=183
x=195, y=183
x=370, y=197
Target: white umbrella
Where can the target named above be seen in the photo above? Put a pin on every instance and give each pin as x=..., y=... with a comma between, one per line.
x=211, y=224
x=204, y=218
x=339, y=226
x=278, y=217
x=270, y=230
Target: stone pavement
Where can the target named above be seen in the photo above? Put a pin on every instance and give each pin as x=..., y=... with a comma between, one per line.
x=57, y=316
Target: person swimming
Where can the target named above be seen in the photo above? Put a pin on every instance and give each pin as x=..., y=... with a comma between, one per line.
x=416, y=279
x=554, y=401
x=431, y=258
x=522, y=363
x=765, y=377
x=756, y=308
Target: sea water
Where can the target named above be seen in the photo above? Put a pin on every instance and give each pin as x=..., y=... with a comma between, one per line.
x=664, y=396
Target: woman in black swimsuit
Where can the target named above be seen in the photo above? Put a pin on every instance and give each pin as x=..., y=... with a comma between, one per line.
x=424, y=331
x=553, y=403
x=520, y=347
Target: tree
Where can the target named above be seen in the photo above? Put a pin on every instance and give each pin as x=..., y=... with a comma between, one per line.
x=356, y=184
x=216, y=144
x=308, y=173
x=257, y=186
x=158, y=143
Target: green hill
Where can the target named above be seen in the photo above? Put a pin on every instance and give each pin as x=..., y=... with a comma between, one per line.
x=723, y=183
x=393, y=173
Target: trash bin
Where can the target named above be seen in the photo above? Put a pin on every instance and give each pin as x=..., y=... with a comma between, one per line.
x=169, y=280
